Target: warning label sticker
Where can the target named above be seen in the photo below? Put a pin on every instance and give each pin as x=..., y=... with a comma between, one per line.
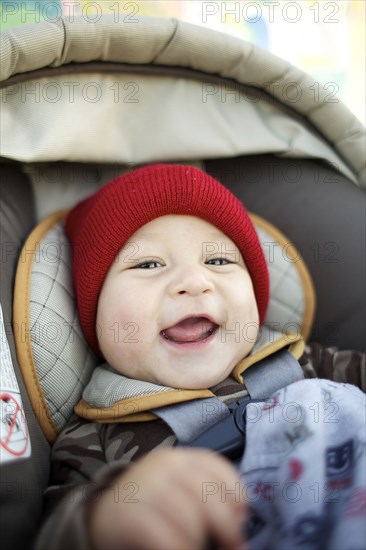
x=14, y=435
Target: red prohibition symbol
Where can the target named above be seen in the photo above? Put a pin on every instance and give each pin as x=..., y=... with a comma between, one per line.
x=15, y=439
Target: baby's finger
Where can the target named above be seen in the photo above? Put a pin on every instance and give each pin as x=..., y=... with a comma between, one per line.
x=223, y=501
x=181, y=509
x=182, y=502
x=218, y=477
x=215, y=492
x=154, y=530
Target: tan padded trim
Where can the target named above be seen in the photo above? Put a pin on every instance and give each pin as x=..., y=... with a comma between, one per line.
x=292, y=341
x=136, y=409
x=304, y=274
x=21, y=322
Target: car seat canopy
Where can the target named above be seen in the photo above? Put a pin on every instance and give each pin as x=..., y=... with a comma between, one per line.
x=237, y=80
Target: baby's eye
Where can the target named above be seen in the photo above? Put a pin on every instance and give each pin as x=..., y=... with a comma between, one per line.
x=150, y=264
x=218, y=261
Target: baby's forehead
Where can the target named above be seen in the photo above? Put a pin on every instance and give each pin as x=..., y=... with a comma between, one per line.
x=177, y=233
x=177, y=224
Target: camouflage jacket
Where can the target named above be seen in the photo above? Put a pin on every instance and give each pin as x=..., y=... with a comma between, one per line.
x=88, y=456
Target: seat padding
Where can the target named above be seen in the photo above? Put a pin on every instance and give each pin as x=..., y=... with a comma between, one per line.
x=22, y=481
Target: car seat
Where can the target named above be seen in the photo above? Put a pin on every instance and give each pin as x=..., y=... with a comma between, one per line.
x=83, y=101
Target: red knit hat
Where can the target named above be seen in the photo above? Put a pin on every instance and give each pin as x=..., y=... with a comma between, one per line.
x=99, y=226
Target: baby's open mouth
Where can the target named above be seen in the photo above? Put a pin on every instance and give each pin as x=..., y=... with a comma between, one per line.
x=190, y=330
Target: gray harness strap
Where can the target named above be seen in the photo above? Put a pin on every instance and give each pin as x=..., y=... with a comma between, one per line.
x=189, y=420
x=272, y=374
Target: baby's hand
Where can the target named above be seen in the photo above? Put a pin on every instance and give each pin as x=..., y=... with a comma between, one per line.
x=161, y=502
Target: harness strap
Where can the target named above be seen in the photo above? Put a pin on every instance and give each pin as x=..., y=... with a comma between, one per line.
x=271, y=374
x=188, y=420
x=191, y=419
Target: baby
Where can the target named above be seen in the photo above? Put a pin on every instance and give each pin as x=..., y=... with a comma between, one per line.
x=166, y=262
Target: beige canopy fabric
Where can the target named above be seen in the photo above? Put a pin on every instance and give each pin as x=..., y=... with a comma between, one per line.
x=171, y=43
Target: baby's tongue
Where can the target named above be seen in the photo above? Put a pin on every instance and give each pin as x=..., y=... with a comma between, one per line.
x=189, y=330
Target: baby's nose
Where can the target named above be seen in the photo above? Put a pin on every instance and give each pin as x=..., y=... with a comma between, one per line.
x=191, y=281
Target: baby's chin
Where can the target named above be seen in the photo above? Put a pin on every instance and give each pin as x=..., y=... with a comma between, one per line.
x=202, y=383
x=192, y=376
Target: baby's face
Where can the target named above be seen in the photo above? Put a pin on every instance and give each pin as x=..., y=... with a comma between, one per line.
x=177, y=307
